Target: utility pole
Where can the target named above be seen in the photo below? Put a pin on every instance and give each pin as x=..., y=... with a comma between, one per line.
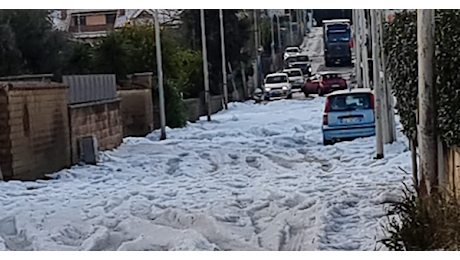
x=272, y=45
x=160, y=77
x=205, y=64
x=280, y=45
x=256, y=39
x=363, y=38
x=427, y=130
x=291, y=40
x=389, y=112
x=224, y=68
x=377, y=88
x=359, y=79
x=383, y=91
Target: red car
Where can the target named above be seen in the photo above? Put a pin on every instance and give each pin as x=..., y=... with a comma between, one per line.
x=324, y=83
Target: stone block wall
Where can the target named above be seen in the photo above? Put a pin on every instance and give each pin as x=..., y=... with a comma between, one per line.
x=34, y=136
x=102, y=119
x=137, y=111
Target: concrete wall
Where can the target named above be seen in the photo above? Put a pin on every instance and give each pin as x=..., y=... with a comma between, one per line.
x=193, y=109
x=136, y=111
x=5, y=144
x=37, y=132
x=102, y=119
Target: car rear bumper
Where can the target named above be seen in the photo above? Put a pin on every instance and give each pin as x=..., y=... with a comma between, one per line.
x=343, y=133
x=281, y=93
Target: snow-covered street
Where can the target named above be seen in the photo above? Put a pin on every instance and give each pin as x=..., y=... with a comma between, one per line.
x=255, y=178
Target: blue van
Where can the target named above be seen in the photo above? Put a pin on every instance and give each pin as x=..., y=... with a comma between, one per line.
x=348, y=114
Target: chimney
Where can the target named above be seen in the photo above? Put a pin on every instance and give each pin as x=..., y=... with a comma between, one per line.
x=63, y=14
x=122, y=12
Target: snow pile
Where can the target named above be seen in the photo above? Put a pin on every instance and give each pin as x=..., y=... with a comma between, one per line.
x=255, y=178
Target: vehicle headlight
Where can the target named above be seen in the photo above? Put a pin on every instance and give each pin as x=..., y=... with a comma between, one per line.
x=285, y=88
x=309, y=69
x=268, y=89
x=299, y=81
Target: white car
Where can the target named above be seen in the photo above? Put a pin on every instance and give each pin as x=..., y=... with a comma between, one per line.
x=291, y=51
x=296, y=77
x=277, y=85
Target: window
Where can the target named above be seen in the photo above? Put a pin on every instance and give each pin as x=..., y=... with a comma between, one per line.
x=276, y=79
x=110, y=18
x=350, y=102
x=82, y=20
x=294, y=73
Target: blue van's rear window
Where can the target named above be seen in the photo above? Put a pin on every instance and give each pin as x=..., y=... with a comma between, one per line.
x=350, y=102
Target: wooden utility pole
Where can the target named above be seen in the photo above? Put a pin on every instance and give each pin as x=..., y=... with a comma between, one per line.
x=280, y=45
x=427, y=127
x=224, y=67
x=272, y=44
x=384, y=94
x=390, y=112
x=363, y=38
x=357, y=46
x=291, y=39
x=205, y=64
x=160, y=77
x=377, y=88
x=256, y=39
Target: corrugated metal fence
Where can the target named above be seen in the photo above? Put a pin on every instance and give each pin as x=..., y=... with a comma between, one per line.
x=90, y=88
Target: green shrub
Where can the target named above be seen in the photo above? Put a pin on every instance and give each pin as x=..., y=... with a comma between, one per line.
x=401, y=47
x=423, y=223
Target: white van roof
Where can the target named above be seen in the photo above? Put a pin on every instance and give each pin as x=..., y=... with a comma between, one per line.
x=352, y=91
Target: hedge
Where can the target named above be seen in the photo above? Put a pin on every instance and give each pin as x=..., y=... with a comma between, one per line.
x=400, y=42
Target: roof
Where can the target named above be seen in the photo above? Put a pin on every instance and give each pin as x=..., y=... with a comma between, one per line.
x=276, y=74
x=329, y=72
x=291, y=69
x=353, y=90
x=337, y=21
x=292, y=47
x=300, y=63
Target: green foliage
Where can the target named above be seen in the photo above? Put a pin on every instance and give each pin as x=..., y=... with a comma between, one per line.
x=78, y=59
x=237, y=35
x=423, y=223
x=133, y=49
x=401, y=46
x=28, y=42
x=10, y=55
x=112, y=54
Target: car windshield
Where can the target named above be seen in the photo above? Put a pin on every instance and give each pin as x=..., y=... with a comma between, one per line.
x=302, y=58
x=338, y=37
x=292, y=50
x=294, y=73
x=276, y=79
x=350, y=102
x=300, y=66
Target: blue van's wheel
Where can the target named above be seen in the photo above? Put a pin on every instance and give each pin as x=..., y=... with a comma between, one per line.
x=327, y=142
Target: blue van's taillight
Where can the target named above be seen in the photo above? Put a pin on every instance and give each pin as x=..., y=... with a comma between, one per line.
x=325, y=119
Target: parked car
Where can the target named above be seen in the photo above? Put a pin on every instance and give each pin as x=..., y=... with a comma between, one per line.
x=295, y=77
x=324, y=83
x=289, y=60
x=348, y=114
x=302, y=58
x=304, y=66
x=277, y=85
x=291, y=51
